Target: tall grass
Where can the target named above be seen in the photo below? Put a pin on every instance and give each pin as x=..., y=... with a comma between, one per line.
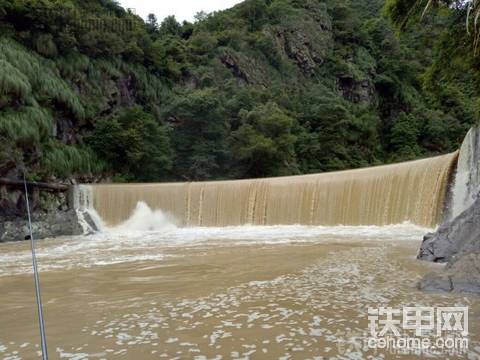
x=65, y=160
x=149, y=87
x=28, y=125
x=13, y=82
x=39, y=75
x=30, y=84
x=73, y=66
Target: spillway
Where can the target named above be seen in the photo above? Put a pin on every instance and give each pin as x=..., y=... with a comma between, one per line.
x=413, y=191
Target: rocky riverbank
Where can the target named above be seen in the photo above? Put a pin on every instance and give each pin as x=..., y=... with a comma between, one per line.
x=458, y=243
x=47, y=225
x=51, y=215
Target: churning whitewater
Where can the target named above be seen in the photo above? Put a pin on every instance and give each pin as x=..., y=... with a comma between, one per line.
x=135, y=241
x=393, y=194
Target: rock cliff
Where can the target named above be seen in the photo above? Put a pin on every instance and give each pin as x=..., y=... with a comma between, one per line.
x=457, y=241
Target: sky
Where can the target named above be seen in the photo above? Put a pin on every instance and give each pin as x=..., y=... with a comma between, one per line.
x=182, y=9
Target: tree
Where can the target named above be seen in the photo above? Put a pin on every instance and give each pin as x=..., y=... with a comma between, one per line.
x=200, y=134
x=269, y=87
x=152, y=23
x=201, y=16
x=255, y=12
x=404, y=12
x=134, y=144
x=169, y=57
x=452, y=76
x=265, y=142
x=404, y=138
x=170, y=26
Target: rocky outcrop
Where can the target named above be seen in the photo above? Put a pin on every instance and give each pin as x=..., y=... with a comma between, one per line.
x=467, y=179
x=60, y=223
x=455, y=238
x=459, y=276
x=51, y=215
x=362, y=91
x=457, y=241
x=246, y=69
x=233, y=64
x=298, y=48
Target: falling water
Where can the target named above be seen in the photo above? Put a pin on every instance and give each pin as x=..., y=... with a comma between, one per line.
x=87, y=216
x=392, y=194
x=467, y=177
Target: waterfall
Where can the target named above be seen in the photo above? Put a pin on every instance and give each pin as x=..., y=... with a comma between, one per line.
x=467, y=178
x=87, y=216
x=391, y=194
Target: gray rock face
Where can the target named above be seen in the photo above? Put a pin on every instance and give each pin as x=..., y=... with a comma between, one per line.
x=458, y=237
x=458, y=241
x=60, y=223
x=466, y=187
x=51, y=216
x=297, y=47
x=461, y=276
x=90, y=222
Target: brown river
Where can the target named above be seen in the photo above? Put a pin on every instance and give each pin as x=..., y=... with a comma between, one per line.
x=284, y=292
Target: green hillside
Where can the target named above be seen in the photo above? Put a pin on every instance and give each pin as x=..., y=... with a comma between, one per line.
x=270, y=87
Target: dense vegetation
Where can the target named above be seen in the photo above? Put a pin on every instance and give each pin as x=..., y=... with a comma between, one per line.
x=270, y=87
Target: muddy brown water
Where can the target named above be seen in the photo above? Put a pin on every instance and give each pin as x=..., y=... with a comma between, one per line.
x=233, y=293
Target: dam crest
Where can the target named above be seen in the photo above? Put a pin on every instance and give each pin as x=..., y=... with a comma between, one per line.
x=412, y=191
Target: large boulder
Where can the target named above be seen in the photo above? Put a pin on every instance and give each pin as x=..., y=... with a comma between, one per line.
x=462, y=276
x=457, y=237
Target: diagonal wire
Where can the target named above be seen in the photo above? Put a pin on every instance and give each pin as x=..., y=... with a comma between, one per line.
x=36, y=276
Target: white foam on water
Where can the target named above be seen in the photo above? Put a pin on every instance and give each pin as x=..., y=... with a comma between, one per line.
x=148, y=234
